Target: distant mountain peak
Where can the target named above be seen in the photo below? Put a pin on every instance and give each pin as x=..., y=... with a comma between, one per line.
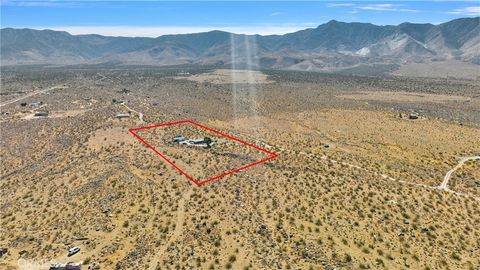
x=334, y=22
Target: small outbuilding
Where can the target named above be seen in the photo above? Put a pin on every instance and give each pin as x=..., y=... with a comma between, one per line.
x=118, y=101
x=178, y=139
x=122, y=115
x=40, y=114
x=413, y=116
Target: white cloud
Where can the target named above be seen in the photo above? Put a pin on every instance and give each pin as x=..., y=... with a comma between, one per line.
x=374, y=7
x=467, y=11
x=48, y=3
x=276, y=13
x=146, y=31
x=386, y=7
x=340, y=5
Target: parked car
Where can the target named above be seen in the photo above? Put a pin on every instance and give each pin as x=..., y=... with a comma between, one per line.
x=73, y=250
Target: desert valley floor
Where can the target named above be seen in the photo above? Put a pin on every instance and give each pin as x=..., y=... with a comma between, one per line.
x=356, y=184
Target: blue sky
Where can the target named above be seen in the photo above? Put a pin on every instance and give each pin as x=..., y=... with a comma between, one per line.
x=154, y=18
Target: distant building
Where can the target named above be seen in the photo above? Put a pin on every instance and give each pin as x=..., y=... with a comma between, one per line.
x=118, y=101
x=122, y=115
x=40, y=114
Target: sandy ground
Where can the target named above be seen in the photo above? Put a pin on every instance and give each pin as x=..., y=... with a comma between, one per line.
x=451, y=68
x=405, y=97
x=57, y=114
x=370, y=200
x=221, y=76
x=106, y=137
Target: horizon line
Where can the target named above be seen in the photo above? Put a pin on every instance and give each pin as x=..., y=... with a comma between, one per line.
x=158, y=31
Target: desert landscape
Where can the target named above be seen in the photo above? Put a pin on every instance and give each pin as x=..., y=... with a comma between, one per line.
x=371, y=173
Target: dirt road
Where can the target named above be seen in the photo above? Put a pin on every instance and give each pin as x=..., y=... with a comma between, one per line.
x=140, y=115
x=34, y=93
x=444, y=184
x=178, y=229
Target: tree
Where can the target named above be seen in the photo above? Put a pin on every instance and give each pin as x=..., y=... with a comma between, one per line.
x=208, y=141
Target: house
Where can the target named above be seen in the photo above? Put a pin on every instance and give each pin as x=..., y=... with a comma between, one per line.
x=67, y=266
x=40, y=114
x=205, y=142
x=122, y=115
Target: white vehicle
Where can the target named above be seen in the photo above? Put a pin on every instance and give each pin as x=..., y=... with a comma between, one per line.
x=73, y=250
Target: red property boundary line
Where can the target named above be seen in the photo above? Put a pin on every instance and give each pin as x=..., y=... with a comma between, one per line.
x=199, y=183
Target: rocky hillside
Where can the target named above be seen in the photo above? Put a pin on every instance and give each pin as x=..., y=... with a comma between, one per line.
x=331, y=46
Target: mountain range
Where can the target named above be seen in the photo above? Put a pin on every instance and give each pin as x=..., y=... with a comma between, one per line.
x=331, y=46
